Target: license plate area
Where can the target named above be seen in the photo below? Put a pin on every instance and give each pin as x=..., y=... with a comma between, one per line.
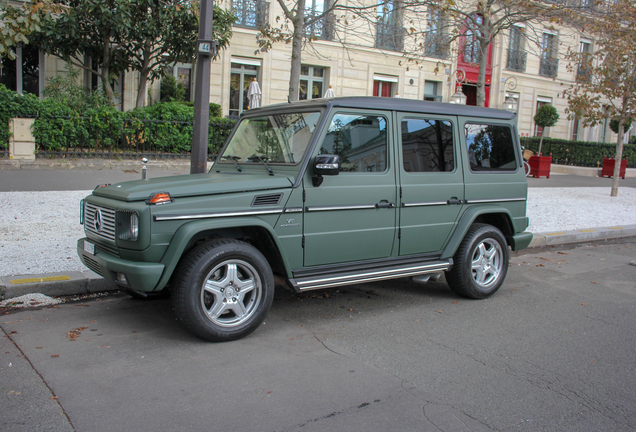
x=89, y=247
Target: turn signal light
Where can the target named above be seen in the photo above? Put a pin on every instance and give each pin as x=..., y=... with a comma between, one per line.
x=159, y=198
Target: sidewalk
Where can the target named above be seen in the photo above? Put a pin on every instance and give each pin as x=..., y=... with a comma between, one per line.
x=38, y=248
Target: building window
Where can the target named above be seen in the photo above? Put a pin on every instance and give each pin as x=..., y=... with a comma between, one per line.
x=183, y=74
x=241, y=77
x=437, y=42
x=432, y=91
x=516, y=54
x=316, y=26
x=23, y=73
x=472, y=49
x=250, y=13
x=389, y=32
x=312, y=82
x=585, y=62
x=384, y=85
x=549, y=61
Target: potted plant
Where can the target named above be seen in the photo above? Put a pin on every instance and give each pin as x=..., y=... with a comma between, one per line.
x=545, y=117
x=609, y=163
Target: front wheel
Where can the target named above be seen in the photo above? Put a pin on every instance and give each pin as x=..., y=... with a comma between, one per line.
x=224, y=290
x=480, y=263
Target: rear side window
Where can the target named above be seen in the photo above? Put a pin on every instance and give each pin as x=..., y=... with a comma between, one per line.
x=427, y=145
x=490, y=147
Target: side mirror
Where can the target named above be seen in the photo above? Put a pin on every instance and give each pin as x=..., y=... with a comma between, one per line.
x=325, y=165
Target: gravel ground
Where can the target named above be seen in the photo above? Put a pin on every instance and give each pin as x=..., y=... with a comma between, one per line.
x=39, y=230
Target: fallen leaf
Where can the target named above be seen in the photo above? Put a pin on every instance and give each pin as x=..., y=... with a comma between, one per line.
x=438, y=311
x=54, y=397
x=561, y=253
x=291, y=338
x=55, y=355
x=38, y=347
x=539, y=265
x=455, y=302
x=583, y=304
x=270, y=392
x=14, y=392
x=350, y=310
x=594, y=282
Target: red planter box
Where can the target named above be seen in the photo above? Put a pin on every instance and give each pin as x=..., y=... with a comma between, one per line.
x=609, y=165
x=540, y=166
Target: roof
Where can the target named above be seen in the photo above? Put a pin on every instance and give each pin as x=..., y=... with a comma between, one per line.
x=395, y=104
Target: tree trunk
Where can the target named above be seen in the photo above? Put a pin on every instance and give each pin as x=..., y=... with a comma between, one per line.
x=297, y=46
x=481, y=78
x=143, y=75
x=618, y=157
x=105, y=70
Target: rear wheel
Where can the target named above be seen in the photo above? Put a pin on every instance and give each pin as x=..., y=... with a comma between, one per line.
x=480, y=264
x=224, y=290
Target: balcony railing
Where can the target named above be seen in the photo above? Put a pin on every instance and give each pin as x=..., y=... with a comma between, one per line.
x=549, y=67
x=516, y=60
x=319, y=29
x=437, y=46
x=389, y=37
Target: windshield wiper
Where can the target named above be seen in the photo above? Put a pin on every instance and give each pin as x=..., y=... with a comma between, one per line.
x=234, y=159
x=269, y=170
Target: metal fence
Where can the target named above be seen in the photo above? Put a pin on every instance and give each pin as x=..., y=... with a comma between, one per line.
x=119, y=137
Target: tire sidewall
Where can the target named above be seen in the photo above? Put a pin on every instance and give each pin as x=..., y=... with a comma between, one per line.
x=190, y=286
x=473, y=239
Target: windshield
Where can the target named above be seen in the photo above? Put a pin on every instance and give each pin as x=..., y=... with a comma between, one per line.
x=275, y=138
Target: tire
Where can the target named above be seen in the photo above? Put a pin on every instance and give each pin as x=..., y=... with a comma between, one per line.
x=224, y=290
x=480, y=263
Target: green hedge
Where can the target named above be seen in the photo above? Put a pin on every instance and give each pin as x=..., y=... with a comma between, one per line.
x=579, y=153
x=165, y=127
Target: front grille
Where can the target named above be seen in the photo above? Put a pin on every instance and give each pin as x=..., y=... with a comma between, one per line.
x=92, y=264
x=99, y=221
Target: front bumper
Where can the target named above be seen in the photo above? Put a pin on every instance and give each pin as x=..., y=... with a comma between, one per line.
x=141, y=276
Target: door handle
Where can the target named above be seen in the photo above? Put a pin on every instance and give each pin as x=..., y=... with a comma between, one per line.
x=455, y=201
x=384, y=205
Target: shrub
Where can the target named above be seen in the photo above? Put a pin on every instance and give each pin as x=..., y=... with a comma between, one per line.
x=171, y=90
x=579, y=153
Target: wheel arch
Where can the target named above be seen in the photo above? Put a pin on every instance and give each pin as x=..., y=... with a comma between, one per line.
x=253, y=231
x=494, y=215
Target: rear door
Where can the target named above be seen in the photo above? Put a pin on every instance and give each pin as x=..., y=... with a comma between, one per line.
x=431, y=181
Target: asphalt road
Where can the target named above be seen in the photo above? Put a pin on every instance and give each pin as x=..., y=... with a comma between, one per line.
x=553, y=350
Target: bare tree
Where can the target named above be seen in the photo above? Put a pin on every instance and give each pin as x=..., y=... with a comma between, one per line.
x=606, y=79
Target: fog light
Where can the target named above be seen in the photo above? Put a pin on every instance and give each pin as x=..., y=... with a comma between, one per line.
x=122, y=279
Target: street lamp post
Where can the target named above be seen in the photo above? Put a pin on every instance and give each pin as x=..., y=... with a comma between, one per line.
x=206, y=49
x=459, y=97
x=510, y=104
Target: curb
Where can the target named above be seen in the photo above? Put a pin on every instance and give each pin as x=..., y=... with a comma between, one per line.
x=87, y=282
x=54, y=284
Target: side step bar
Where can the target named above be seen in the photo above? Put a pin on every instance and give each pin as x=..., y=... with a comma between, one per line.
x=368, y=275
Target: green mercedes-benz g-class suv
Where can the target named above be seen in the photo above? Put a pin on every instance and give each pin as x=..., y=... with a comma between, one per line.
x=319, y=194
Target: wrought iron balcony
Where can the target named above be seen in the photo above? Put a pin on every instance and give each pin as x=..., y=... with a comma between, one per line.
x=320, y=29
x=549, y=67
x=437, y=46
x=516, y=60
x=389, y=37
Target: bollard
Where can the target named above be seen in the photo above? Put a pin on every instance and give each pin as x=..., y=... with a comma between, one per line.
x=143, y=169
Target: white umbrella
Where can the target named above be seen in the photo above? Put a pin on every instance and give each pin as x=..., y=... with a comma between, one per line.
x=254, y=94
x=329, y=93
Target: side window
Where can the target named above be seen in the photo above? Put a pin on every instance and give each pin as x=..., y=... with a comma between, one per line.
x=490, y=147
x=427, y=145
x=360, y=140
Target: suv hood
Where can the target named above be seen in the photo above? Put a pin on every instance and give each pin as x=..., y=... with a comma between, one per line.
x=193, y=185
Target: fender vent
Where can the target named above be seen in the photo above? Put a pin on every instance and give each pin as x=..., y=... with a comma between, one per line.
x=267, y=200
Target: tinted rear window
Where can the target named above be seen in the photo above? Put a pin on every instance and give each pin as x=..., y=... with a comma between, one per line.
x=490, y=147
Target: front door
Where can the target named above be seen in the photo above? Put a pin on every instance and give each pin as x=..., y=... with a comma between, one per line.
x=431, y=181
x=352, y=216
